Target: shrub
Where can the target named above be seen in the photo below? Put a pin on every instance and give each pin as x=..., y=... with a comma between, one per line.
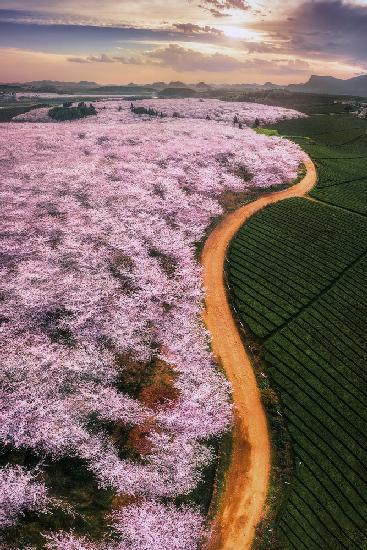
x=145, y=111
x=72, y=113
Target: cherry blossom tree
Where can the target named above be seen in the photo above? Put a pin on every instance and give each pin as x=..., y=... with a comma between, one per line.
x=148, y=526
x=20, y=492
x=155, y=526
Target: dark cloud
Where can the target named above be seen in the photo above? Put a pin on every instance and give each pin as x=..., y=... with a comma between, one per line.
x=194, y=30
x=220, y=8
x=325, y=30
x=44, y=17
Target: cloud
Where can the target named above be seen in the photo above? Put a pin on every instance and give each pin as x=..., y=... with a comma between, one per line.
x=192, y=29
x=132, y=60
x=77, y=60
x=184, y=59
x=103, y=58
x=219, y=8
x=258, y=47
x=180, y=59
x=81, y=39
x=334, y=30
x=298, y=64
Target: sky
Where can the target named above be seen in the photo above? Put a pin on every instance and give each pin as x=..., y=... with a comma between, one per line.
x=216, y=41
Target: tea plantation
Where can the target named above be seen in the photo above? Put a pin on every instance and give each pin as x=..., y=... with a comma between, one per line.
x=297, y=273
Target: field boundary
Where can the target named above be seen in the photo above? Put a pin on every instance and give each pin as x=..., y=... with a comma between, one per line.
x=247, y=479
x=323, y=202
x=318, y=295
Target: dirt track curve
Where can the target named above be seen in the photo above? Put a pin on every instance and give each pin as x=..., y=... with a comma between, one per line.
x=247, y=478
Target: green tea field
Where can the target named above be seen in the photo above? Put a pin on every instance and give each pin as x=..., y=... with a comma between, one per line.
x=297, y=274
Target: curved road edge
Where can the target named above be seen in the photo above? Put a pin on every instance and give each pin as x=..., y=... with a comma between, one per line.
x=247, y=478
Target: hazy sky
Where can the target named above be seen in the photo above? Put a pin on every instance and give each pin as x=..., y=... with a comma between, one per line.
x=118, y=41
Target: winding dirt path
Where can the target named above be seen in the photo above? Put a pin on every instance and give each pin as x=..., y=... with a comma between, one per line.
x=247, y=479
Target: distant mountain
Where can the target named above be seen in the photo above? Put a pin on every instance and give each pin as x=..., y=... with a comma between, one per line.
x=271, y=86
x=356, y=86
x=202, y=86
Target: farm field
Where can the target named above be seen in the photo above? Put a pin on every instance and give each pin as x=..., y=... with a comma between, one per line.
x=297, y=273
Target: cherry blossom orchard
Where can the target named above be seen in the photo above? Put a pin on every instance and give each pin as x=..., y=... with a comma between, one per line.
x=100, y=282
x=208, y=109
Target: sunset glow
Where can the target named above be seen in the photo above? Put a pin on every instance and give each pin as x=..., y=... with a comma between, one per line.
x=216, y=41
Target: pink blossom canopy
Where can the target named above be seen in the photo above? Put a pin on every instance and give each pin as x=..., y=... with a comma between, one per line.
x=100, y=230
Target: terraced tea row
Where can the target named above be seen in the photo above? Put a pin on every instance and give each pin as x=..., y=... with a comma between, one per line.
x=297, y=273
x=338, y=146
x=350, y=195
x=273, y=269
x=317, y=363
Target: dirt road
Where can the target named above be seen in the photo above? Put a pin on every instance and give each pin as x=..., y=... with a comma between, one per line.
x=247, y=479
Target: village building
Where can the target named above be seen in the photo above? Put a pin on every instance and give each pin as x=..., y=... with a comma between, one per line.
x=8, y=96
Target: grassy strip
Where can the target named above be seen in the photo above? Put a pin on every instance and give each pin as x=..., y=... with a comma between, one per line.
x=207, y=494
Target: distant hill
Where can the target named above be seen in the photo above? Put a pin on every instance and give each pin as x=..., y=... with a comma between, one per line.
x=159, y=85
x=173, y=92
x=176, y=84
x=356, y=86
x=202, y=86
x=329, y=85
x=61, y=84
x=130, y=89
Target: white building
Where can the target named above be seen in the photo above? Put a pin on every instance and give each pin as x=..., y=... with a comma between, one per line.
x=8, y=96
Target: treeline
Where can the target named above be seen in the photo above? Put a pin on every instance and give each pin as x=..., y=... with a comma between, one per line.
x=144, y=111
x=68, y=112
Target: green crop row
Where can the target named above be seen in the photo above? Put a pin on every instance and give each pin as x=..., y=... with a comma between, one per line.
x=338, y=145
x=317, y=363
x=352, y=196
x=286, y=256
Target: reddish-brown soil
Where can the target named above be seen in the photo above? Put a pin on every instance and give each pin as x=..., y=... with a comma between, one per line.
x=242, y=502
